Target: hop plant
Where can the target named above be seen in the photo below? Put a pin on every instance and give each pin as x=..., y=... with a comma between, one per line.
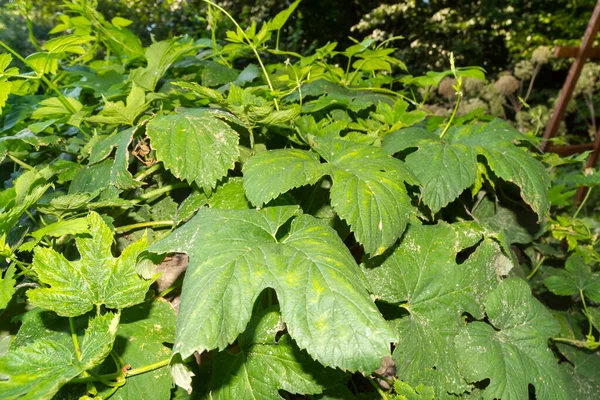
x=541, y=55
x=445, y=88
x=507, y=84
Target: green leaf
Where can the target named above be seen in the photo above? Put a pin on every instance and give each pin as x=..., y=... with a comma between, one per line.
x=448, y=166
x=43, y=63
x=95, y=279
x=368, y=188
x=585, y=372
x=265, y=365
x=235, y=254
x=271, y=173
x=68, y=44
x=7, y=286
x=119, y=113
x=27, y=190
x=194, y=145
x=281, y=18
x=513, y=351
x=141, y=338
x=405, y=392
x=119, y=174
x=57, y=229
x=577, y=276
x=422, y=277
x=37, y=370
x=160, y=56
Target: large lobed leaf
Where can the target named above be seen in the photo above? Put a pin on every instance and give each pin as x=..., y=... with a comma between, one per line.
x=448, y=166
x=422, y=276
x=235, y=254
x=368, y=188
x=96, y=278
x=37, y=370
x=513, y=351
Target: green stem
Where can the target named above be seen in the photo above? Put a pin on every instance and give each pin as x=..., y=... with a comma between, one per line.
x=116, y=375
x=159, y=191
x=147, y=368
x=53, y=87
x=132, y=227
x=277, y=40
x=587, y=314
x=585, y=199
x=251, y=137
x=356, y=71
x=75, y=339
x=173, y=286
x=537, y=266
x=578, y=343
x=19, y=162
x=458, y=97
x=251, y=44
x=31, y=36
x=140, y=176
x=378, y=389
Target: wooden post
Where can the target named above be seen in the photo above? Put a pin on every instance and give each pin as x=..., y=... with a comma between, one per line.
x=574, y=73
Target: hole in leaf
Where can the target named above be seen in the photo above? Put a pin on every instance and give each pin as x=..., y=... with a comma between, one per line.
x=482, y=384
x=464, y=254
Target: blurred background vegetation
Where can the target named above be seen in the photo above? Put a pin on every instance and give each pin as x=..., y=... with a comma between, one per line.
x=494, y=34
x=499, y=35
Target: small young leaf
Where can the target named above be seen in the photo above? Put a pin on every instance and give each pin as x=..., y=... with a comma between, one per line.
x=122, y=114
x=95, y=279
x=7, y=286
x=576, y=276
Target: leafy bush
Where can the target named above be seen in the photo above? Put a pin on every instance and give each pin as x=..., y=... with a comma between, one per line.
x=337, y=235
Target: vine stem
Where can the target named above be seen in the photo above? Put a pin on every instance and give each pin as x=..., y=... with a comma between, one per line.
x=61, y=97
x=159, y=191
x=379, y=390
x=575, y=342
x=147, y=224
x=587, y=314
x=19, y=162
x=537, y=266
x=147, y=368
x=75, y=339
x=121, y=373
x=252, y=46
x=458, y=95
x=585, y=199
x=140, y=176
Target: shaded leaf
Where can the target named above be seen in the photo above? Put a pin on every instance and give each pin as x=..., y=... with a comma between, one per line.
x=513, y=351
x=421, y=276
x=37, y=370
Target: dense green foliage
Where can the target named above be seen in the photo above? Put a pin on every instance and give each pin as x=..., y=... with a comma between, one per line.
x=342, y=242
